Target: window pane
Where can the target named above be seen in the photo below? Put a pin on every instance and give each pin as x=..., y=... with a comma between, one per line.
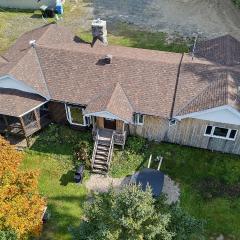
x=135, y=118
x=140, y=118
x=76, y=115
x=232, y=134
x=208, y=130
x=220, y=132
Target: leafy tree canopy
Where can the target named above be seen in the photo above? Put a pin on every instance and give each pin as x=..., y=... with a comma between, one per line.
x=133, y=214
x=21, y=204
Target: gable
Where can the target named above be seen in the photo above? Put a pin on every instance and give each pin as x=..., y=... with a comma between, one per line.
x=223, y=114
x=9, y=82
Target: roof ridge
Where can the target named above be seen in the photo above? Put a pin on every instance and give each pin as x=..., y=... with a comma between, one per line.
x=17, y=62
x=192, y=100
x=42, y=73
x=115, y=88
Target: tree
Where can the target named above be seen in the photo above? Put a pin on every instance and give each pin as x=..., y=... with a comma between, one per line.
x=129, y=214
x=21, y=204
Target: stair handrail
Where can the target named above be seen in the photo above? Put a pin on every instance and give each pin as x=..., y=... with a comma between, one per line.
x=95, y=149
x=110, y=150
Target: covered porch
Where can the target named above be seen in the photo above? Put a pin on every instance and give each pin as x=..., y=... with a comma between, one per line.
x=116, y=127
x=26, y=124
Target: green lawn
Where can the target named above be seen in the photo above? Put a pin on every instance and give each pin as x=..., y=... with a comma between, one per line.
x=190, y=167
x=52, y=154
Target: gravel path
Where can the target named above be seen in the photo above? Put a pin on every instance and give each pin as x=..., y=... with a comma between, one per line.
x=209, y=17
x=99, y=183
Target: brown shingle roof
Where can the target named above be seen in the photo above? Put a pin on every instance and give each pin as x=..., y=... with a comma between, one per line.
x=115, y=101
x=141, y=80
x=15, y=103
x=76, y=76
x=224, y=50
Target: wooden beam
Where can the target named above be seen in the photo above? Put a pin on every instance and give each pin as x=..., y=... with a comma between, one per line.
x=37, y=118
x=23, y=126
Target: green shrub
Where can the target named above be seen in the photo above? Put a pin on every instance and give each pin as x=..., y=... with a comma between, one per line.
x=237, y=2
x=82, y=154
x=135, y=144
x=8, y=235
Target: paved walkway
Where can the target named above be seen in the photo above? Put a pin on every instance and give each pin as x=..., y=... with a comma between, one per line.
x=100, y=183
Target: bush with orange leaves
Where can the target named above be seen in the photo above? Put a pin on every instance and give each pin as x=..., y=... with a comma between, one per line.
x=21, y=206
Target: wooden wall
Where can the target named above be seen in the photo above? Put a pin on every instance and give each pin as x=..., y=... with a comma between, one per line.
x=120, y=126
x=100, y=122
x=58, y=112
x=154, y=128
x=191, y=132
x=188, y=132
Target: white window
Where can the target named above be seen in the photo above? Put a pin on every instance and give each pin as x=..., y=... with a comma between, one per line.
x=218, y=132
x=76, y=116
x=138, y=119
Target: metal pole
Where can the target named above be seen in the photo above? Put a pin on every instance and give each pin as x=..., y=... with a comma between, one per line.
x=160, y=163
x=149, y=161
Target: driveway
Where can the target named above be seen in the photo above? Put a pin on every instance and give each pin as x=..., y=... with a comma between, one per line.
x=209, y=17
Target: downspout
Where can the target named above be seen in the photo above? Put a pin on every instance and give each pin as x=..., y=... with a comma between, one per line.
x=176, y=86
x=174, y=95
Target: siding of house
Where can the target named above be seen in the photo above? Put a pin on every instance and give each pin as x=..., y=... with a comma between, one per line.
x=154, y=128
x=58, y=112
x=191, y=132
x=24, y=4
x=187, y=132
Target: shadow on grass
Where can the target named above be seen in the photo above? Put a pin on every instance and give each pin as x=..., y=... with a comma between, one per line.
x=67, y=178
x=36, y=16
x=62, y=218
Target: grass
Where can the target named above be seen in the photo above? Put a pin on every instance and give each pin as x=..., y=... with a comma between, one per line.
x=15, y=22
x=52, y=154
x=189, y=167
x=53, y=151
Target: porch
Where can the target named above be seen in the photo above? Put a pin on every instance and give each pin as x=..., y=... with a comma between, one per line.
x=27, y=124
x=114, y=127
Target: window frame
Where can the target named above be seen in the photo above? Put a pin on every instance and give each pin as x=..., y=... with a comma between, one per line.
x=215, y=136
x=136, y=118
x=85, y=121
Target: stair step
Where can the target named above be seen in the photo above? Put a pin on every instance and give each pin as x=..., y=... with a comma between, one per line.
x=103, y=148
x=102, y=153
x=97, y=161
x=104, y=158
x=99, y=172
x=99, y=166
x=103, y=143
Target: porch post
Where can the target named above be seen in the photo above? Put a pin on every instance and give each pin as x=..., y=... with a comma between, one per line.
x=24, y=131
x=37, y=118
x=5, y=120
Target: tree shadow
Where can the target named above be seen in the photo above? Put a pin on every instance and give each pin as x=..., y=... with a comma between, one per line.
x=67, y=178
x=62, y=218
x=36, y=16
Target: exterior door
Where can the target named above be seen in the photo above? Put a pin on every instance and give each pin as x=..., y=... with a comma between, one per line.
x=109, y=123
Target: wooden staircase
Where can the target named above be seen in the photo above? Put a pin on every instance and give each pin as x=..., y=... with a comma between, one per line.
x=102, y=153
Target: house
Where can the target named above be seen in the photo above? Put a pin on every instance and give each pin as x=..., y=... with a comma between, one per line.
x=26, y=4
x=117, y=91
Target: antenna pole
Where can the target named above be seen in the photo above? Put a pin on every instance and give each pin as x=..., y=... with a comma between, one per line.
x=194, y=46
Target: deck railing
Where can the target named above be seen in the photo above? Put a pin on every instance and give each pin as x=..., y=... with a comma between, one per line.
x=37, y=124
x=118, y=138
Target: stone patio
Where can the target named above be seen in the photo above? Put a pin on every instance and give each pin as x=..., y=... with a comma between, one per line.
x=99, y=183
